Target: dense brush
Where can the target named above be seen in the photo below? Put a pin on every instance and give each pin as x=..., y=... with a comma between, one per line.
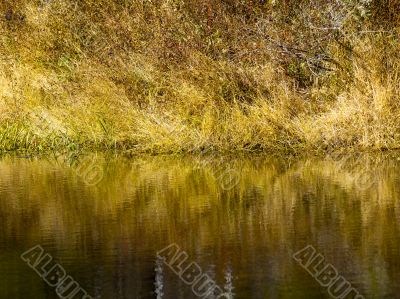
x=185, y=75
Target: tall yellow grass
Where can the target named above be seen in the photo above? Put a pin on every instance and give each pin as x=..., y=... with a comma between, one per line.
x=183, y=76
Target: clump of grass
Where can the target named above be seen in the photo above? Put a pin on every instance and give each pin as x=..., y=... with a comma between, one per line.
x=185, y=76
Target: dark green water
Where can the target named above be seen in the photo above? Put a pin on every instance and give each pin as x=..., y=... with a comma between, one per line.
x=241, y=230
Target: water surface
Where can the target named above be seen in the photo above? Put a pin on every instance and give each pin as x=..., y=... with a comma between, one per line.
x=106, y=235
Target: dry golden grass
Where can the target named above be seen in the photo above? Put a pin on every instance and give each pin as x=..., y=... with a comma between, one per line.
x=183, y=76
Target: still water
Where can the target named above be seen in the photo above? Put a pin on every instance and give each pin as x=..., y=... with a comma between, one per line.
x=106, y=235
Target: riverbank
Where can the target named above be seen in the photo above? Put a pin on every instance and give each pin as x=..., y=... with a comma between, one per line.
x=187, y=77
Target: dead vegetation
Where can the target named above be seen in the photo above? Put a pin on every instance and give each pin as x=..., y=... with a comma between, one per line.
x=234, y=75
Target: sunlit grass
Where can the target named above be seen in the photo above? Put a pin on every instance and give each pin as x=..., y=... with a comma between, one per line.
x=164, y=78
